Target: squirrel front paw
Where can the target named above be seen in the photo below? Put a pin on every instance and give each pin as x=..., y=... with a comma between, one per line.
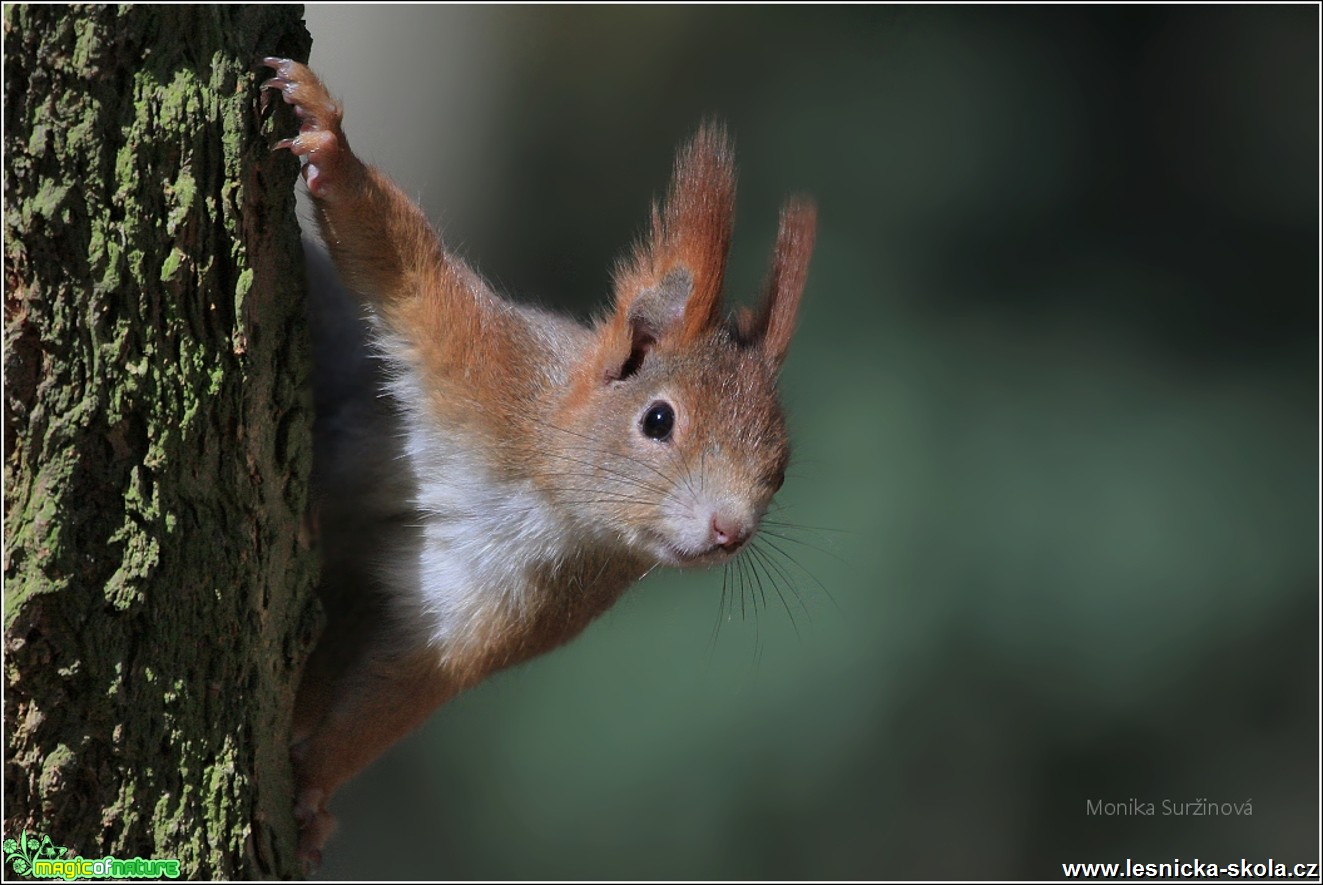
x=320, y=138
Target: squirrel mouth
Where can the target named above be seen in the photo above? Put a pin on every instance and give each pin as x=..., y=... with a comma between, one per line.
x=674, y=555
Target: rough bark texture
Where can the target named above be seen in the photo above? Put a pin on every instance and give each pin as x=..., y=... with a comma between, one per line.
x=157, y=436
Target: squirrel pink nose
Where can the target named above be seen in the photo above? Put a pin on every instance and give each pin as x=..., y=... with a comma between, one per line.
x=729, y=534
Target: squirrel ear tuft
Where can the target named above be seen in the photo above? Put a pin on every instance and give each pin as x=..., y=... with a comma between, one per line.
x=774, y=323
x=673, y=279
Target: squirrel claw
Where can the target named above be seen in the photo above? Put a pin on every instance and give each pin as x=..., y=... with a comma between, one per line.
x=276, y=83
x=320, y=139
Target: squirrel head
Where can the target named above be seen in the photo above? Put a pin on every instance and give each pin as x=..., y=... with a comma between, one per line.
x=676, y=440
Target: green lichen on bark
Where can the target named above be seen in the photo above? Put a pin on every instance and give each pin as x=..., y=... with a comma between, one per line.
x=157, y=436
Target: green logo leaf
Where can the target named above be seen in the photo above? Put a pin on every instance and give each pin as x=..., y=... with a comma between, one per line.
x=20, y=853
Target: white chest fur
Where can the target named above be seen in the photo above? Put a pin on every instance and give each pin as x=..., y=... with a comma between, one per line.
x=483, y=540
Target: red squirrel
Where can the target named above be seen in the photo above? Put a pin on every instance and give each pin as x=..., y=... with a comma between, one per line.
x=525, y=469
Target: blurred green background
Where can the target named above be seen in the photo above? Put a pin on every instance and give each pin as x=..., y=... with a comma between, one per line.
x=1054, y=401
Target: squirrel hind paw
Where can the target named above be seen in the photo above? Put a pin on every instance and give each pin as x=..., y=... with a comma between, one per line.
x=313, y=836
x=308, y=805
x=316, y=825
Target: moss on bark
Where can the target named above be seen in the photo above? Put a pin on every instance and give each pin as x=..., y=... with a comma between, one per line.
x=158, y=598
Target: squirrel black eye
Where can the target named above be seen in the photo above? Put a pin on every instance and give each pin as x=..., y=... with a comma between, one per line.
x=658, y=421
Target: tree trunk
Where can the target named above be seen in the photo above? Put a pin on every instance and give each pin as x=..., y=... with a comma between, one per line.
x=158, y=595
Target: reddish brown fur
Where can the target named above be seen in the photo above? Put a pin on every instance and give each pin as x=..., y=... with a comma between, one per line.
x=775, y=321
x=454, y=320
x=558, y=613
x=485, y=375
x=692, y=231
x=391, y=697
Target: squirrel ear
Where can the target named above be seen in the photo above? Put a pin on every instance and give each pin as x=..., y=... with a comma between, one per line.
x=774, y=323
x=650, y=314
x=671, y=284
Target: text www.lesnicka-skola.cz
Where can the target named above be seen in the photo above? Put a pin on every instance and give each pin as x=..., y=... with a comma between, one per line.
x=1191, y=869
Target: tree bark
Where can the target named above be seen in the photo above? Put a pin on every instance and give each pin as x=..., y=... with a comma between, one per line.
x=157, y=440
